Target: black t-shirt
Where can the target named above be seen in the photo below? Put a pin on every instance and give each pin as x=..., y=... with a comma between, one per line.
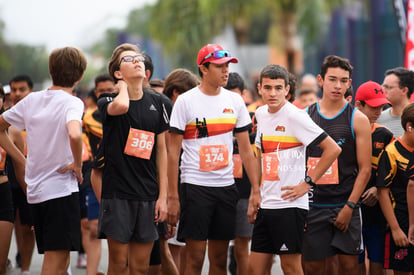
x=381, y=137
x=125, y=176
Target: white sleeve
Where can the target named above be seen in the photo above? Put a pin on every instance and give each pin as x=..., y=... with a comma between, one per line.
x=305, y=130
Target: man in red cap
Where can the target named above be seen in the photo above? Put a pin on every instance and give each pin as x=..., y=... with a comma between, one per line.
x=370, y=98
x=202, y=124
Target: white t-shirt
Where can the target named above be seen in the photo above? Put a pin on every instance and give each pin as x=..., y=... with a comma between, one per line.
x=208, y=121
x=45, y=115
x=285, y=135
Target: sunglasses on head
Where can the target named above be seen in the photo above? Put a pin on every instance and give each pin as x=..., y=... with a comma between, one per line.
x=217, y=54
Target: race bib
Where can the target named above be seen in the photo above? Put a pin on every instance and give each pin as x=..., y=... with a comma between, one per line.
x=213, y=157
x=237, y=166
x=330, y=176
x=270, y=166
x=139, y=143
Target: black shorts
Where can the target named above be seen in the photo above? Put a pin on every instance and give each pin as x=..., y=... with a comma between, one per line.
x=398, y=258
x=6, y=203
x=322, y=239
x=127, y=220
x=20, y=202
x=279, y=231
x=207, y=212
x=57, y=224
x=155, y=257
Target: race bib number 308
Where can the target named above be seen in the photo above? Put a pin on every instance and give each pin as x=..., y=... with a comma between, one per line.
x=139, y=143
x=213, y=157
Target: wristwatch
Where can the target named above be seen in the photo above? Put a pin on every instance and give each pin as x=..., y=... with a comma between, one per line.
x=351, y=204
x=309, y=181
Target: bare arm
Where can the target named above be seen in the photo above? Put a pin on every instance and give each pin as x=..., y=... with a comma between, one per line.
x=75, y=139
x=10, y=148
x=398, y=235
x=252, y=166
x=410, y=203
x=362, y=130
x=174, y=150
x=17, y=138
x=120, y=104
x=161, y=205
x=331, y=151
x=96, y=182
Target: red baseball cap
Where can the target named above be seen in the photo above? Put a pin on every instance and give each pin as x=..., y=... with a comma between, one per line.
x=371, y=93
x=215, y=54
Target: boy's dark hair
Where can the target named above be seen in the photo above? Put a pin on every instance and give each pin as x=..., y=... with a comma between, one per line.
x=21, y=78
x=349, y=92
x=235, y=81
x=207, y=64
x=180, y=80
x=102, y=78
x=333, y=61
x=148, y=65
x=306, y=92
x=407, y=116
x=66, y=66
x=92, y=95
x=274, y=72
x=292, y=87
x=405, y=76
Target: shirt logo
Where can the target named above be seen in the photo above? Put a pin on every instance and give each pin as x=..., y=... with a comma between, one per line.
x=341, y=141
x=152, y=108
x=280, y=128
x=379, y=145
x=228, y=111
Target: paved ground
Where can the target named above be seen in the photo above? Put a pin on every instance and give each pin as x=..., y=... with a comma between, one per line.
x=37, y=262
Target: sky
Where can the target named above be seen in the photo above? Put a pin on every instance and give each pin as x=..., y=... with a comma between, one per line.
x=59, y=23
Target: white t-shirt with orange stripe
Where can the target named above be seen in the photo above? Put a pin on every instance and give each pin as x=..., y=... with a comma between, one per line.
x=283, y=137
x=207, y=124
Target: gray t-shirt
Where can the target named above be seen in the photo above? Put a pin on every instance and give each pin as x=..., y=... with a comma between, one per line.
x=391, y=122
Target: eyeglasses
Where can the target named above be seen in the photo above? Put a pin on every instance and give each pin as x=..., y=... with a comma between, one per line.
x=386, y=87
x=131, y=58
x=217, y=54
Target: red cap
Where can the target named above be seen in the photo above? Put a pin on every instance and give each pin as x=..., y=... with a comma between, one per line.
x=372, y=94
x=208, y=51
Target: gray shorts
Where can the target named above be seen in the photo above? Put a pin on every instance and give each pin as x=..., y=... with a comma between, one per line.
x=322, y=239
x=243, y=228
x=127, y=220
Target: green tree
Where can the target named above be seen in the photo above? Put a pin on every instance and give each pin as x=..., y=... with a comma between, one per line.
x=183, y=26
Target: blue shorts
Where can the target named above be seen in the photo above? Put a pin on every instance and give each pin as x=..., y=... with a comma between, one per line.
x=92, y=204
x=374, y=238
